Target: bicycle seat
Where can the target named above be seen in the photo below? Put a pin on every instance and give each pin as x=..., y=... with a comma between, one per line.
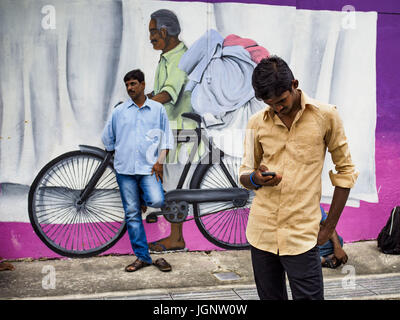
x=192, y=116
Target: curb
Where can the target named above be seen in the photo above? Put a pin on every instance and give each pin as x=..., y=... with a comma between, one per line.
x=331, y=284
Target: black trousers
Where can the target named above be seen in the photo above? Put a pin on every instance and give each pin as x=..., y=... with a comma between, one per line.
x=304, y=273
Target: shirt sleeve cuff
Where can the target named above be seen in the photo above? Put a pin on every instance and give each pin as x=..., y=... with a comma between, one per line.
x=343, y=180
x=172, y=92
x=167, y=147
x=109, y=147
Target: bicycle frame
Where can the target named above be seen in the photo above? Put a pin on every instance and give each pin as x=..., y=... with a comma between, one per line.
x=95, y=178
x=198, y=195
x=181, y=196
x=80, y=228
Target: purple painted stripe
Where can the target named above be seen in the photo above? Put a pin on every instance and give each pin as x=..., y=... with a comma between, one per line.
x=365, y=222
x=388, y=76
x=291, y=3
x=382, y=6
x=386, y=6
x=81, y=236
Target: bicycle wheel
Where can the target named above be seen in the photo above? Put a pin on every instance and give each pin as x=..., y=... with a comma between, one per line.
x=222, y=223
x=69, y=228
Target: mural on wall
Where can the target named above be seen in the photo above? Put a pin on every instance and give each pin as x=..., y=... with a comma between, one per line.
x=61, y=77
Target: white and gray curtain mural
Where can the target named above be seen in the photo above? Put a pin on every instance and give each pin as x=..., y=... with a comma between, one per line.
x=62, y=64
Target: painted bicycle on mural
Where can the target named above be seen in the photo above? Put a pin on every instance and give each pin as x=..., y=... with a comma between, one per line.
x=76, y=210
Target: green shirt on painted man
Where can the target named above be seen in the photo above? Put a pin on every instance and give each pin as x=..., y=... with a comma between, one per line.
x=171, y=79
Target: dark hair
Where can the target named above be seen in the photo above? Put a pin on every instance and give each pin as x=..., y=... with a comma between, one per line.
x=136, y=74
x=167, y=19
x=271, y=77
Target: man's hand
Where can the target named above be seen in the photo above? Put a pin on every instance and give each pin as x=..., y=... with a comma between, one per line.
x=158, y=170
x=162, y=97
x=259, y=179
x=268, y=181
x=340, y=255
x=340, y=196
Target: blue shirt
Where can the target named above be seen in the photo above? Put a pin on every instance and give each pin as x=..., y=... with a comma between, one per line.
x=137, y=135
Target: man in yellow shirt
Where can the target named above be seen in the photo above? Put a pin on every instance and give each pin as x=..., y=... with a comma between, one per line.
x=290, y=138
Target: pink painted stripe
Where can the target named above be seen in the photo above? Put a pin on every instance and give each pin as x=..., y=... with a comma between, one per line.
x=19, y=240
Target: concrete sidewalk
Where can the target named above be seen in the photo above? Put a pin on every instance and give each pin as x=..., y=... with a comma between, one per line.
x=369, y=274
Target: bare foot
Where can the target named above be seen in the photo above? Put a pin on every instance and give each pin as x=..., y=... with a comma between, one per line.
x=166, y=244
x=174, y=241
x=6, y=266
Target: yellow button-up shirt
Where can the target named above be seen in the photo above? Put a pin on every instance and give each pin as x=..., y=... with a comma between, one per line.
x=285, y=219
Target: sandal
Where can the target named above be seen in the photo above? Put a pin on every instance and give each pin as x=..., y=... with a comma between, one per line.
x=136, y=265
x=162, y=265
x=331, y=263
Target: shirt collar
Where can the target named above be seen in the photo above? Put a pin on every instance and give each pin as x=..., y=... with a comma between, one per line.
x=131, y=103
x=172, y=52
x=304, y=100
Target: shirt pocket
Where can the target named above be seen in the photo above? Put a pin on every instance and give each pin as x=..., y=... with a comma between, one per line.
x=309, y=145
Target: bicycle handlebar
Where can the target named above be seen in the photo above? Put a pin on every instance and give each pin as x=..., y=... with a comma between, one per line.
x=192, y=116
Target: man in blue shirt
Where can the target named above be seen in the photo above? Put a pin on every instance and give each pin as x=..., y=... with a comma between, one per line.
x=139, y=133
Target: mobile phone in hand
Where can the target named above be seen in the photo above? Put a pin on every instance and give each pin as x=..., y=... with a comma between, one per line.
x=268, y=173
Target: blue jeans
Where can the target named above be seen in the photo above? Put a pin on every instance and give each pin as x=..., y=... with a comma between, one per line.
x=327, y=248
x=136, y=190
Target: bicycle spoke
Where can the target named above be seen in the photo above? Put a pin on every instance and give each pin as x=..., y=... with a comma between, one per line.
x=215, y=206
x=94, y=232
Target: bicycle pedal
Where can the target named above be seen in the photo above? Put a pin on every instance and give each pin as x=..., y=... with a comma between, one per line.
x=151, y=218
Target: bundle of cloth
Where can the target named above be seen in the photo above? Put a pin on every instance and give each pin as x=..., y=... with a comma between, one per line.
x=219, y=77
